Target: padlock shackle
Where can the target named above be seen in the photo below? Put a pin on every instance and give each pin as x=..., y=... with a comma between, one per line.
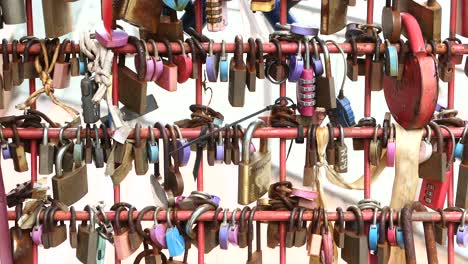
x=194, y=217
x=62, y=54
x=238, y=52
x=118, y=226
x=242, y=220
x=358, y=214
x=326, y=55
x=415, y=36
x=252, y=53
x=45, y=136
x=259, y=50
x=170, y=55
x=175, y=155
x=140, y=57
x=6, y=57
x=431, y=248
x=59, y=159
x=155, y=49
x=331, y=132
x=165, y=139
x=438, y=135
x=382, y=231
x=14, y=55
x=291, y=219
x=248, y=137
x=138, y=226
x=307, y=52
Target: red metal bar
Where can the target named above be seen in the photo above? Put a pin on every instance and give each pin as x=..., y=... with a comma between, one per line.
x=274, y=216
x=286, y=48
x=199, y=100
x=190, y=133
x=5, y=246
x=115, y=101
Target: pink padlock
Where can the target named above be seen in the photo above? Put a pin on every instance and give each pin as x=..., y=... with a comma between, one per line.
x=36, y=233
x=158, y=231
x=391, y=147
x=168, y=79
x=305, y=87
x=158, y=63
x=117, y=38
x=61, y=76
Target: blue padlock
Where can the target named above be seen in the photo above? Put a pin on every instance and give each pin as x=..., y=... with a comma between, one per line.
x=175, y=241
x=152, y=148
x=374, y=233
x=223, y=64
x=6, y=153
x=458, y=151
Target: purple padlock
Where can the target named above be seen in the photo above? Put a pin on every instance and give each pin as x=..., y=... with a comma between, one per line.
x=233, y=228
x=158, y=231
x=462, y=232
x=4, y=145
x=224, y=231
x=119, y=38
x=212, y=62
x=184, y=154
x=158, y=63
x=315, y=60
x=299, y=29
x=36, y=233
x=216, y=199
x=219, y=157
x=296, y=64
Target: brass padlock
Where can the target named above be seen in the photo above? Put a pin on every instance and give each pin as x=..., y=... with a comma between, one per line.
x=57, y=234
x=255, y=257
x=355, y=242
x=325, y=90
x=429, y=14
x=18, y=153
x=133, y=86
x=69, y=187
x=170, y=27
x=57, y=18
x=17, y=75
x=141, y=13
x=29, y=70
x=461, y=199
x=377, y=71
x=262, y=5
x=7, y=72
x=139, y=152
x=86, y=252
x=254, y=169
x=333, y=16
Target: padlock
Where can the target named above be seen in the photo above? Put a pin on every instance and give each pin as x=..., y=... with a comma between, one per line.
x=375, y=148
x=214, y=15
x=255, y=257
x=262, y=5
x=383, y=247
x=300, y=236
x=296, y=64
x=235, y=154
x=46, y=154
x=158, y=63
x=341, y=155
x=223, y=63
x=37, y=231
x=74, y=60
x=305, y=87
x=193, y=51
x=57, y=18
x=333, y=16
x=291, y=229
x=168, y=79
x=133, y=96
x=355, y=242
x=254, y=169
x=139, y=152
x=184, y=64
x=352, y=62
x=339, y=229
x=314, y=242
x=98, y=152
x=212, y=63
x=69, y=187
x=311, y=157
x=325, y=90
x=13, y=12
x=29, y=70
x=331, y=149
x=376, y=74
x=315, y=61
x=91, y=110
x=429, y=14
x=143, y=14
x=237, y=75
x=61, y=76
x=276, y=70
x=250, y=66
x=435, y=167
x=17, y=74
x=18, y=154
x=259, y=61
x=169, y=26
x=72, y=231
x=440, y=229
x=391, y=21
x=242, y=235
x=391, y=59
x=86, y=252
x=446, y=67
x=57, y=233
x=21, y=242
x=134, y=238
x=431, y=247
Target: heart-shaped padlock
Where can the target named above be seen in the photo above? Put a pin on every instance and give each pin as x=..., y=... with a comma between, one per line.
x=150, y=64
x=462, y=231
x=224, y=231
x=184, y=64
x=174, y=240
x=212, y=61
x=223, y=63
x=219, y=157
x=36, y=233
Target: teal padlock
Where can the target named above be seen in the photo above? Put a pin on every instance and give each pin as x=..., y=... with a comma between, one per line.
x=458, y=151
x=152, y=147
x=391, y=60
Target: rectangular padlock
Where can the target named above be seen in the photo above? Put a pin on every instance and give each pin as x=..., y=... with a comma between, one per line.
x=333, y=16
x=57, y=18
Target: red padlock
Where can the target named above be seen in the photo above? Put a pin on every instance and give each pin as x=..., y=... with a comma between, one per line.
x=184, y=64
x=412, y=100
x=168, y=79
x=433, y=193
